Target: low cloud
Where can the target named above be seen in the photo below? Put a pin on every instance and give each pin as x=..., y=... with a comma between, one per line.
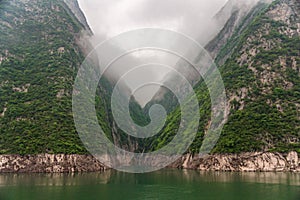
x=109, y=18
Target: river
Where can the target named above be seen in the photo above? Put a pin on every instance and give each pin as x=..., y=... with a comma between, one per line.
x=164, y=184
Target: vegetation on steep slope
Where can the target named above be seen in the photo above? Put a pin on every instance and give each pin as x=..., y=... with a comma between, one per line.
x=39, y=62
x=39, y=59
x=262, y=79
x=262, y=83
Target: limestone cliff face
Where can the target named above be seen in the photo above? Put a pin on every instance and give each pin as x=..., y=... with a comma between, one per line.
x=259, y=64
x=245, y=162
x=47, y=163
x=234, y=16
x=74, y=7
x=230, y=21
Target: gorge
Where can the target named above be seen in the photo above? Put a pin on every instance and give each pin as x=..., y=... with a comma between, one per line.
x=257, y=52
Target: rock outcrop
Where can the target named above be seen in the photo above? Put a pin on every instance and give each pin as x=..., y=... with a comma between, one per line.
x=49, y=163
x=245, y=162
x=76, y=10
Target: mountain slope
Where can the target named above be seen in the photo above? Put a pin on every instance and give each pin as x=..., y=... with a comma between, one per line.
x=234, y=15
x=261, y=76
x=39, y=58
x=42, y=45
x=41, y=49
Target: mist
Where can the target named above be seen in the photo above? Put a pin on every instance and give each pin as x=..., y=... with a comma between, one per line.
x=107, y=19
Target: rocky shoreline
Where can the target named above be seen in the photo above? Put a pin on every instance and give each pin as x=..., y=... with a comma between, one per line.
x=244, y=162
x=49, y=163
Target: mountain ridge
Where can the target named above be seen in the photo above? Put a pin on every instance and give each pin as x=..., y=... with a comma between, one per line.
x=259, y=63
x=256, y=122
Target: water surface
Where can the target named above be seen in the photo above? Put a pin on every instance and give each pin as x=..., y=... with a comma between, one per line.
x=165, y=184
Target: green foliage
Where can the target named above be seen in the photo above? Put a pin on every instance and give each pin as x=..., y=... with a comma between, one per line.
x=33, y=73
x=256, y=128
x=36, y=81
x=258, y=125
x=41, y=59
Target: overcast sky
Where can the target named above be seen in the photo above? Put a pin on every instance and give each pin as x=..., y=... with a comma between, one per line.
x=108, y=18
x=111, y=17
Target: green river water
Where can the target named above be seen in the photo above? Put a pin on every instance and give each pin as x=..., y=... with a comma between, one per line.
x=165, y=184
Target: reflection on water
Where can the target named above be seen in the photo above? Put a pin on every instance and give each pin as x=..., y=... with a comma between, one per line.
x=54, y=179
x=254, y=177
x=165, y=184
x=111, y=176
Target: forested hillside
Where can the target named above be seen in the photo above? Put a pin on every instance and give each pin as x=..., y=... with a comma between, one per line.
x=39, y=59
x=41, y=49
x=261, y=76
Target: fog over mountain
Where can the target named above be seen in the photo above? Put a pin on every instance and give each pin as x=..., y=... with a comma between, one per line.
x=107, y=19
x=50, y=122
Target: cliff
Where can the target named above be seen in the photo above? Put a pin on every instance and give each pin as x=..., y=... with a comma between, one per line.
x=260, y=72
x=40, y=55
x=244, y=162
x=49, y=163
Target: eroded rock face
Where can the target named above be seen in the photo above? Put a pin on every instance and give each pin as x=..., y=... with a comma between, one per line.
x=246, y=162
x=48, y=163
x=74, y=7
